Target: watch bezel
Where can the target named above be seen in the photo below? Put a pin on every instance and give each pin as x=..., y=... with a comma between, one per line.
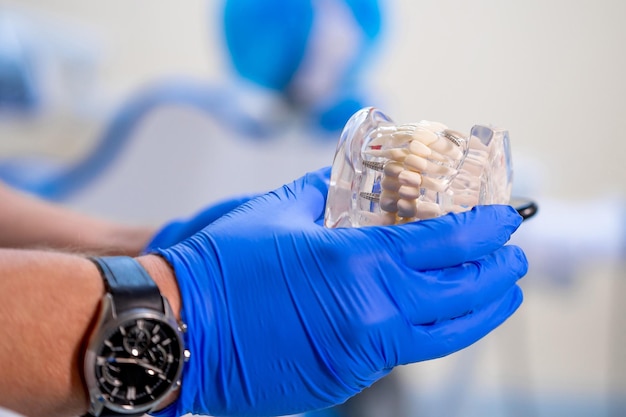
x=108, y=322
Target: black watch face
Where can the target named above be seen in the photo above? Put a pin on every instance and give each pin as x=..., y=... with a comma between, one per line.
x=138, y=362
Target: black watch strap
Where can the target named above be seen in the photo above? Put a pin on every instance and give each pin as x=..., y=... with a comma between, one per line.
x=108, y=413
x=129, y=283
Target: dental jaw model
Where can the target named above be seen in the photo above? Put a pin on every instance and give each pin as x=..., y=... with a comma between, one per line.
x=385, y=173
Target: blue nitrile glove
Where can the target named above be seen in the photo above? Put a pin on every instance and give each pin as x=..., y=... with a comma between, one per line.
x=180, y=229
x=285, y=315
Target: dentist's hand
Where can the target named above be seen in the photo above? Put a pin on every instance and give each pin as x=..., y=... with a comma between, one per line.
x=180, y=229
x=285, y=315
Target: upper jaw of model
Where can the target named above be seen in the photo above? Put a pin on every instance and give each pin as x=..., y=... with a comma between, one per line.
x=385, y=173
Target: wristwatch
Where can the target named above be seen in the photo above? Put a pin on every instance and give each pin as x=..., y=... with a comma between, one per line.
x=135, y=355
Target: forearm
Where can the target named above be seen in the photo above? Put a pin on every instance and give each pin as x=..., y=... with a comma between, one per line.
x=48, y=302
x=28, y=222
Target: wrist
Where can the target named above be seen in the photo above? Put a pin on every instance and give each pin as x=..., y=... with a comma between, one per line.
x=163, y=275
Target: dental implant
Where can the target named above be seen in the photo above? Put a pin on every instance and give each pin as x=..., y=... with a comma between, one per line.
x=384, y=173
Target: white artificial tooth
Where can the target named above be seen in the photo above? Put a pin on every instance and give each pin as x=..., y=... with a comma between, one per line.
x=393, y=169
x=434, y=126
x=426, y=210
x=433, y=184
x=467, y=177
x=389, y=201
x=367, y=218
x=436, y=156
x=480, y=157
x=418, y=148
x=406, y=208
x=425, y=135
x=419, y=164
x=395, y=154
x=465, y=182
x=400, y=139
x=441, y=170
x=390, y=184
x=415, y=163
x=475, y=143
x=478, y=154
x=465, y=199
x=387, y=218
x=446, y=147
x=407, y=177
x=408, y=192
x=472, y=168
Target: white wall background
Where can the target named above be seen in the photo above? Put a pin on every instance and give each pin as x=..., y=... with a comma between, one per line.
x=549, y=71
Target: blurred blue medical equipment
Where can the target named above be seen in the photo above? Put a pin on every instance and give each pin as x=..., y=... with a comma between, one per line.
x=18, y=86
x=276, y=51
x=313, y=53
x=58, y=181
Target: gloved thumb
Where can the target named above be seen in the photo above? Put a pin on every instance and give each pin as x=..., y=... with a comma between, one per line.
x=300, y=201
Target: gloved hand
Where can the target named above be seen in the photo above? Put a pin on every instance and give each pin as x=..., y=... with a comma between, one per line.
x=180, y=229
x=285, y=315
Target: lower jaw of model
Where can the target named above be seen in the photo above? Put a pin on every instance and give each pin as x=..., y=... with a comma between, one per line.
x=384, y=173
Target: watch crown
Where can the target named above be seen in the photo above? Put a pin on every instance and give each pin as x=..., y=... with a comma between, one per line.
x=187, y=354
x=182, y=327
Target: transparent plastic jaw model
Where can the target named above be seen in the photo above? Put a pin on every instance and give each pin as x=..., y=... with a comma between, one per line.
x=385, y=173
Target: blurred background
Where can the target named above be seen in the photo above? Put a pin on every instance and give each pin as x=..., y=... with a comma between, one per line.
x=144, y=111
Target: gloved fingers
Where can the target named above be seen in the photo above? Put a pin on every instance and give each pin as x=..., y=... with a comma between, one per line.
x=210, y=214
x=439, y=295
x=165, y=236
x=180, y=229
x=443, y=338
x=321, y=179
x=451, y=239
x=301, y=200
